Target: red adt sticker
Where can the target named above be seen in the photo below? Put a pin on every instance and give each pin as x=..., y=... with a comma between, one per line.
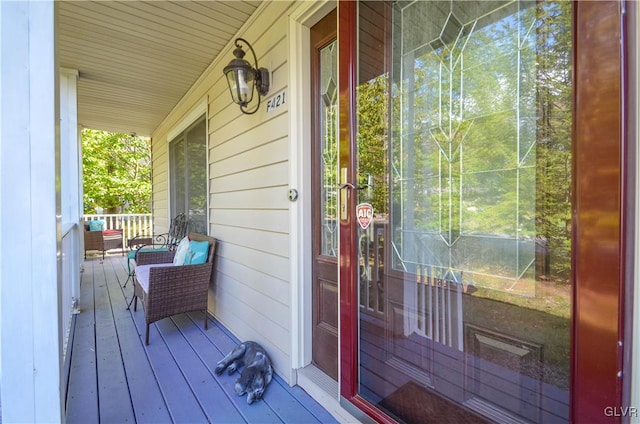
x=364, y=213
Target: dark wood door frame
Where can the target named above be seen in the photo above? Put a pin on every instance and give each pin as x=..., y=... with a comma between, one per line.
x=347, y=62
x=630, y=167
x=599, y=199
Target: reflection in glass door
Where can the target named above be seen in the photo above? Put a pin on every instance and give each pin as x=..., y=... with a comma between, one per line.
x=464, y=121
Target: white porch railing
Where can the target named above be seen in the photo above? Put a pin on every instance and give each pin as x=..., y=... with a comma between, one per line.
x=135, y=224
x=71, y=264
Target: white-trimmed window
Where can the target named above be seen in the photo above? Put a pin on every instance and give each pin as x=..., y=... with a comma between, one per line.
x=188, y=177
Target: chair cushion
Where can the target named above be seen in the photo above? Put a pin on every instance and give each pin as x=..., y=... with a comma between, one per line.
x=142, y=274
x=197, y=253
x=131, y=254
x=96, y=225
x=181, y=252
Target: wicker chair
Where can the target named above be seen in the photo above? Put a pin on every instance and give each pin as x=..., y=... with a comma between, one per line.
x=102, y=240
x=172, y=289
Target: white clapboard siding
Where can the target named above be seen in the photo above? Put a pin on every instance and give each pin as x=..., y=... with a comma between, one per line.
x=265, y=198
x=248, y=170
x=256, y=325
x=245, y=292
x=265, y=220
x=261, y=156
x=264, y=176
x=268, y=264
x=261, y=241
x=267, y=285
x=229, y=143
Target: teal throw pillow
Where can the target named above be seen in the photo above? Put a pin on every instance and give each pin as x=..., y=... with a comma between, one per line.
x=96, y=225
x=197, y=254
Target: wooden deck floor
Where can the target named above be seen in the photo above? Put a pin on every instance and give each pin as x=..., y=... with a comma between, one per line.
x=115, y=378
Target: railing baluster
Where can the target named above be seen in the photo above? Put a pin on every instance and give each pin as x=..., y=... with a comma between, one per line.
x=429, y=276
x=449, y=333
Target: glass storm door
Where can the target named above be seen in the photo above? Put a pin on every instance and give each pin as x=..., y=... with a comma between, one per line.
x=460, y=193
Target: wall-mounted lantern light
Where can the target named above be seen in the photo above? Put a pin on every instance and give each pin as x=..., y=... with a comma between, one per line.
x=243, y=78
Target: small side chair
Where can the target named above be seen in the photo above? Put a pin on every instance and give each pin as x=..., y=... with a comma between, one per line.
x=162, y=242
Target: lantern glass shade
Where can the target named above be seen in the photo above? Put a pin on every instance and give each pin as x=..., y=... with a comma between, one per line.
x=241, y=82
x=243, y=78
x=240, y=77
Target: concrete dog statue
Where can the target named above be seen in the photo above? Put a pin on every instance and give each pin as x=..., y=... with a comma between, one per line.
x=255, y=375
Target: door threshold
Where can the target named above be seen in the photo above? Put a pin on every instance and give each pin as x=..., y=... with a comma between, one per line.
x=324, y=390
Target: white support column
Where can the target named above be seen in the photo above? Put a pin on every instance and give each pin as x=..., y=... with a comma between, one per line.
x=71, y=158
x=71, y=179
x=29, y=209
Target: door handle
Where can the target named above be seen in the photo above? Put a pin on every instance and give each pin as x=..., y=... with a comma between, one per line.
x=369, y=184
x=343, y=193
x=348, y=185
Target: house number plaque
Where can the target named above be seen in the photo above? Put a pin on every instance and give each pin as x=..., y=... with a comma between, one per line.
x=277, y=101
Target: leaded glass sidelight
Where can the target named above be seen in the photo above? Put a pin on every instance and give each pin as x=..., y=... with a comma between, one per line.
x=329, y=149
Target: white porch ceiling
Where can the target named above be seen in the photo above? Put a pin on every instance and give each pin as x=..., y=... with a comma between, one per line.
x=136, y=59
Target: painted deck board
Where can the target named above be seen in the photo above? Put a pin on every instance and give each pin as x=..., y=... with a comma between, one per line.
x=82, y=395
x=113, y=392
x=114, y=377
x=148, y=404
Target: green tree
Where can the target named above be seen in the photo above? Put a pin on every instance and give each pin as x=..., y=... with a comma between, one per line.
x=372, y=141
x=554, y=149
x=116, y=172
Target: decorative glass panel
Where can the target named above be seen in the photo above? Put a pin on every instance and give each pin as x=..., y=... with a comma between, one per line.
x=329, y=149
x=468, y=136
